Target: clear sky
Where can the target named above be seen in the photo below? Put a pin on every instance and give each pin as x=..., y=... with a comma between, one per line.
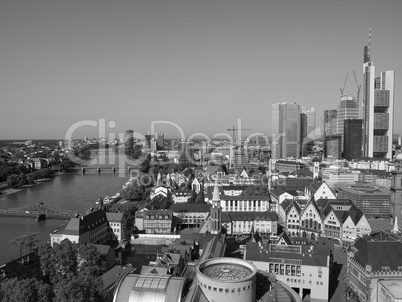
x=200, y=64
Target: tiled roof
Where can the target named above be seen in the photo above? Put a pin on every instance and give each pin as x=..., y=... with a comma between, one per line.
x=318, y=256
x=251, y=216
x=114, y=217
x=91, y=221
x=379, y=254
x=190, y=207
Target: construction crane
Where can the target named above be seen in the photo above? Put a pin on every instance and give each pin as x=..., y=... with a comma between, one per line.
x=344, y=84
x=358, y=88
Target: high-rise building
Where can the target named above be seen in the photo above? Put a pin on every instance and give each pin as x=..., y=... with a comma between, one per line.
x=160, y=140
x=378, y=106
x=352, y=139
x=310, y=114
x=333, y=146
x=285, y=130
x=330, y=121
x=129, y=141
x=303, y=131
x=348, y=108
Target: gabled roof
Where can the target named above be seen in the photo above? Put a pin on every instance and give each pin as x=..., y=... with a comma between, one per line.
x=285, y=238
x=287, y=205
x=114, y=217
x=91, y=221
x=355, y=214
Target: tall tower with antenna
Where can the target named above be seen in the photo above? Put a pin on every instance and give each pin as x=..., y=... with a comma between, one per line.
x=378, y=106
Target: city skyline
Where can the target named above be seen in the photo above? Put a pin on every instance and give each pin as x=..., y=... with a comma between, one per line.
x=201, y=65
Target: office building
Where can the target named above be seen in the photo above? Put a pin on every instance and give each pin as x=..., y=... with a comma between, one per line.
x=374, y=201
x=303, y=132
x=160, y=140
x=378, y=106
x=330, y=121
x=285, y=130
x=310, y=114
x=333, y=146
x=348, y=108
x=352, y=139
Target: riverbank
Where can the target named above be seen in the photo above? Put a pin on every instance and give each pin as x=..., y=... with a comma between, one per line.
x=8, y=191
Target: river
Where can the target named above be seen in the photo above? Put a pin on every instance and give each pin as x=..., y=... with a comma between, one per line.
x=71, y=191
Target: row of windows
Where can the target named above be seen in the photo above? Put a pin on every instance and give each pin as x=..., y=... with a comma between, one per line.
x=226, y=290
x=285, y=269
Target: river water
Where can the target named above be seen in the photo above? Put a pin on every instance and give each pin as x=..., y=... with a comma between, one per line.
x=71, y=191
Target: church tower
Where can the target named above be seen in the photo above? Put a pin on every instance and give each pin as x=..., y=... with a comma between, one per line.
x=216, y=211
x=396, y=192
x=316, y=167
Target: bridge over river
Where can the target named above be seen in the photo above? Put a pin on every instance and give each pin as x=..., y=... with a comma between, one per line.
x=40, y=211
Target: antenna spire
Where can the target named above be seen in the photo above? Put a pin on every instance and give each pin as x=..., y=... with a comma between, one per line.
x=369, y=41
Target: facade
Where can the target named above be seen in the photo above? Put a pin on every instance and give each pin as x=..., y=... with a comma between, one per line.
x=227, y=279
x=118, y=225
x=155, y=221
x=285, y=130
x=330, y=122
x=372, y=200
x=304, y=268
x=288, y=165
x=289, y=214
x=159, y=140
x=90, y=228
x=244, y=203
x=245, y=223
x=352, y=139
x=378, y=107
x=333, y=146
x=303, y=131
x=348, y=108
x=311, y=221
x=310, y=115
x=191, y=214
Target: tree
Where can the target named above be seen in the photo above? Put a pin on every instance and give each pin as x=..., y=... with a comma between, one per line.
x=81, y=288
x=26, y=290
x=16, y=180
x=134, y=191
x=19, y=242
x=145, y=166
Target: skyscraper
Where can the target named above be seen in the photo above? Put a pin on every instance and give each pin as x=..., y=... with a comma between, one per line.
x=160, y=140
x=348, y=108
x=285, y=130
x=310, y=113
x=330, y=121
x=378, y=106
x=352, y=139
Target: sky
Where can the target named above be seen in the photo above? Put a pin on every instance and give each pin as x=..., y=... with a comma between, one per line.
x=97, y=68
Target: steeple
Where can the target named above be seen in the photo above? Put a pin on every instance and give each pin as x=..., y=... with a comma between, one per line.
x=216, y=213
x=215, y=195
